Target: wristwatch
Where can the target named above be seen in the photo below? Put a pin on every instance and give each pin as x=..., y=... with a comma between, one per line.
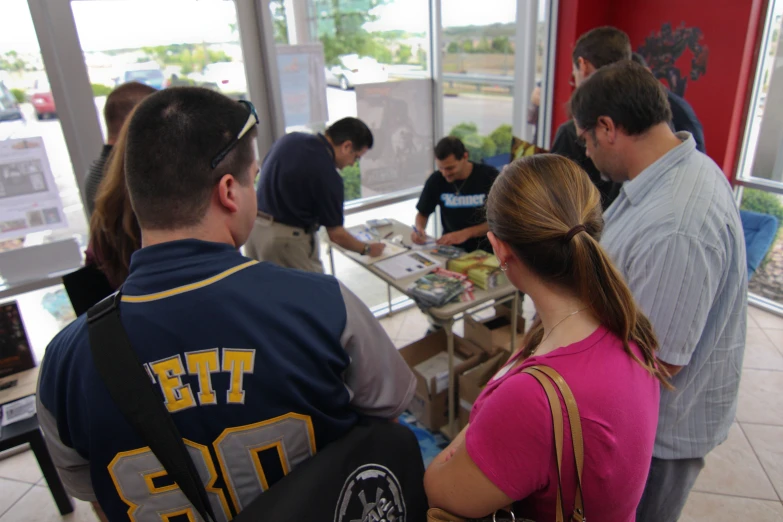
x=366, y=249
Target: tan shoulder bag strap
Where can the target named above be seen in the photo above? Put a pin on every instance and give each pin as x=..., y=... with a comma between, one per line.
x=576, y=433
x=557, y=421
x=543, y=374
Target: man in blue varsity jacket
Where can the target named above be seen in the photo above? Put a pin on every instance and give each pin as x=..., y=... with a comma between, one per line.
x=260, y=366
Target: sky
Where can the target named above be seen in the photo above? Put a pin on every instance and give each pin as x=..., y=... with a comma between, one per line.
x=180, y=21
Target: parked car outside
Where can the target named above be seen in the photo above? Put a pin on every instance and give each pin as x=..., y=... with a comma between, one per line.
x=226, y=77
x=354, y=70
x=148, y=73
x=43, y=101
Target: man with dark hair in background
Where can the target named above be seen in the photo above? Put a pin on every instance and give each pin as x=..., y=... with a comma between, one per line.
x=246, y=355
x=119, y=105
x=300, y=190
x=598, y=48
x=675, y=234
x=460, y=187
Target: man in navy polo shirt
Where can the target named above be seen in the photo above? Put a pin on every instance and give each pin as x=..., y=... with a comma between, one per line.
x=259, y=366
x=300, y=190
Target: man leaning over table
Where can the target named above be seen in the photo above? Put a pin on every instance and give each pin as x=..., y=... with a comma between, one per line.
x=460, y=187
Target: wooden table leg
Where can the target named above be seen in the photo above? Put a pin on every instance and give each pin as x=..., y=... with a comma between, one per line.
x=56, y=488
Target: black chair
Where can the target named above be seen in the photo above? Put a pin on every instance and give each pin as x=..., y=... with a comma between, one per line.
x=86, y=287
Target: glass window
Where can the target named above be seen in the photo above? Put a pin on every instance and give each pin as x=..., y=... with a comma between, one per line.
x=762, y=170
x=326, y=65
x=186, y=42
x=32, y=211
x=478, y=76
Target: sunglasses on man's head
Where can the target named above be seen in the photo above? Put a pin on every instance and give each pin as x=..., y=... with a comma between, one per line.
x=252, y=121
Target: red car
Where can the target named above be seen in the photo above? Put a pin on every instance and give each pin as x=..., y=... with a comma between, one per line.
x=43, y=101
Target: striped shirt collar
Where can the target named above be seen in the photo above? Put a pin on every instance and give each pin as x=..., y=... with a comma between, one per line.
x=636, y=189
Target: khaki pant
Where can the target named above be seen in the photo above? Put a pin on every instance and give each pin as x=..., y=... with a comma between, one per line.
x=283, y=245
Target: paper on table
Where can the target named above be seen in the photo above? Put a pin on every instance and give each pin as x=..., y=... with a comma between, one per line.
x=391, y=250
x=18, y=410
x=406, y=265
x=362, y=233
x=431, y=244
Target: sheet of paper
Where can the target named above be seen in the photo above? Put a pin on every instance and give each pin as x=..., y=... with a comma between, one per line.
x=18, y=410
x=406, y=265
x=391, y=250
x=29, y=197
x=362, y=233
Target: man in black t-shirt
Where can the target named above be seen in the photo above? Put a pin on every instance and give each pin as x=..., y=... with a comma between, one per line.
x=460, y=187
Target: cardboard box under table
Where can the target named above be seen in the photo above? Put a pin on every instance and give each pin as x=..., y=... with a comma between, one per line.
x=429, y=355
x=493, y=334
x=473, y=381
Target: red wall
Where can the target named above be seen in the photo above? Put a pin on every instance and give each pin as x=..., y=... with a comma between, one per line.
x=731, y=30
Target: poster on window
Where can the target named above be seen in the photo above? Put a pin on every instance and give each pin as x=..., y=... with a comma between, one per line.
x=29, y=198
x=302, y=83
x=400, y=117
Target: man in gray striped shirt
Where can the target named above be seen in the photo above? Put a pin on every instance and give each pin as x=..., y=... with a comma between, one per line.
x=675, y=233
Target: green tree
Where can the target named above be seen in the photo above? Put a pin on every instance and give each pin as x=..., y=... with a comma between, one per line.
x=467, y=46
x=502, y=44
x=279, y=21
x=483, y=46
x=10, y=61
x=379, y=50
x=352, y=181
x=404, y=53
x=19, y=95
x=421, y=57
x=340, y=28
x=453, y=48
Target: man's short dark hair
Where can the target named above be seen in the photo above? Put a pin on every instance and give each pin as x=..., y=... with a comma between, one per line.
x=602, y=46
x=448, y=146
x=172, y=138
x=638, y=58
x=353, y=130
x=627, y=93
x=120, y=102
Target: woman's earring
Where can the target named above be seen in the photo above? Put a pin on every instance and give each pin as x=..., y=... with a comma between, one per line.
x=504, y=267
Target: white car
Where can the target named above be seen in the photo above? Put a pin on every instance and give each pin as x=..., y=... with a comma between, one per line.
x=354, y=70
x=227, y=77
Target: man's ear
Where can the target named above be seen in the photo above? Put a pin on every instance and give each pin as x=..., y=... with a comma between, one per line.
x=607, y=127
x=226, y=192
x=585, y=67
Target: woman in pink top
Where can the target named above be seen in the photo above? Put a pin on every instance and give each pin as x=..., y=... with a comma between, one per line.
x=545, y=221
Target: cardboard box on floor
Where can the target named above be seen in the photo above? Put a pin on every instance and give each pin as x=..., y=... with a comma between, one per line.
x=494, y=334
x=429, y=406
x=473, y=381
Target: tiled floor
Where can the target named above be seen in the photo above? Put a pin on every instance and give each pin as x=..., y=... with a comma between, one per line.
x=743, y=479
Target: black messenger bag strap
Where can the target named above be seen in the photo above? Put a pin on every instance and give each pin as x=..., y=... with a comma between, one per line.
x=139, y=401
